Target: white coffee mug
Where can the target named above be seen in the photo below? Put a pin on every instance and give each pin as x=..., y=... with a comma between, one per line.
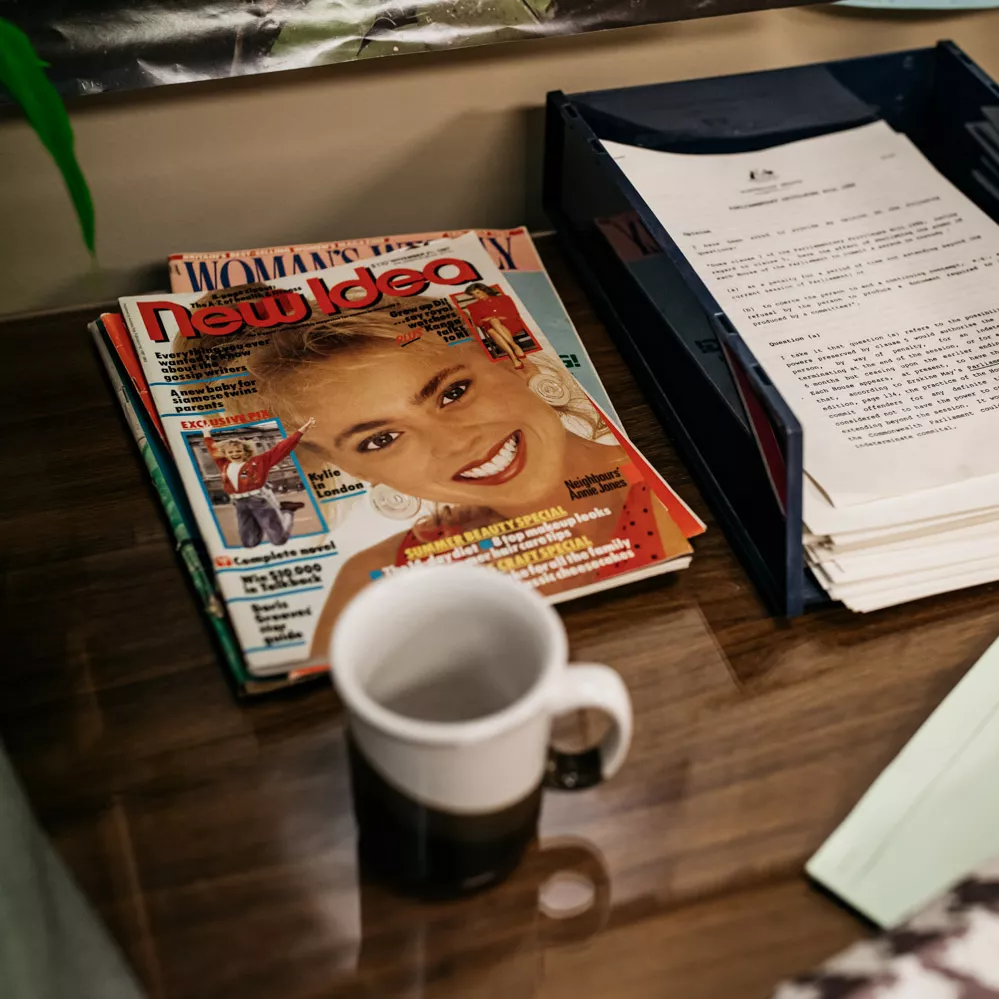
x=451, y=676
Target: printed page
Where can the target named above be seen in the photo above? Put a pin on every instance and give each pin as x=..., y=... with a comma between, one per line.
x=932, y=816
x=866, y=286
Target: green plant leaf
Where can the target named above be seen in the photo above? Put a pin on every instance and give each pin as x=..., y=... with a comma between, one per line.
x=21, y=73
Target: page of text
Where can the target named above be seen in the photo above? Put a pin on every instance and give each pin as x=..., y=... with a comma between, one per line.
x=865, y=284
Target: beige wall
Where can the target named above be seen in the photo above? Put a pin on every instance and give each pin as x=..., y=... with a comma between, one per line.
x=419, y=142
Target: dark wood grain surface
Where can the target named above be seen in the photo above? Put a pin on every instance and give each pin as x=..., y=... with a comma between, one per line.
x=215, y=837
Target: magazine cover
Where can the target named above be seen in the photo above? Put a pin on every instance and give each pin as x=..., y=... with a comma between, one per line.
x=336, y=428
x=512, y=251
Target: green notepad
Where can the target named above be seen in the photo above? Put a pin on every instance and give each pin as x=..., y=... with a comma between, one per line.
x=932, y=816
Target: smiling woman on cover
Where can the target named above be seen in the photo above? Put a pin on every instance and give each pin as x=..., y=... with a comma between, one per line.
x=480, y=441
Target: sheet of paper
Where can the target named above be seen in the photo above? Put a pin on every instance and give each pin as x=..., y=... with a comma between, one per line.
x=987, y=572
x=864, y=283
x=915, y=579
x=927, y=543
x=927, y=546
x=917, y=508
x=932, y=816
x=890, y=569
x=906, y=535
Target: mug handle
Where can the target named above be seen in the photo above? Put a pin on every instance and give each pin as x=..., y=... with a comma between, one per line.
x=591, y=685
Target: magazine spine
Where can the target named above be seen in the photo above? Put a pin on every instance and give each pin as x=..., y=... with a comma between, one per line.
x=172, y=500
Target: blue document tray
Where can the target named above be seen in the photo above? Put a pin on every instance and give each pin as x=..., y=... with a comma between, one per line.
x=666, y=323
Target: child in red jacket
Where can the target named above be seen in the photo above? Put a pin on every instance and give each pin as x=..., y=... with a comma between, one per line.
x=244, y=479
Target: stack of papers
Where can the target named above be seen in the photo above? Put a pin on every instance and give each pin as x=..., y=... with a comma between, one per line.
x=867, y=287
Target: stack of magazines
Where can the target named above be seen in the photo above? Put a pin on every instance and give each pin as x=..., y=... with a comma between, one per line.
x=317, y=418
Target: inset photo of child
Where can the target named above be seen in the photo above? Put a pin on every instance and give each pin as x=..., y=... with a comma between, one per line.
x=253, y=484
x=498, y=322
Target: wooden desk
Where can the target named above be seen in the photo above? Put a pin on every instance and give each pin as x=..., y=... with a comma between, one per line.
x=215, y=837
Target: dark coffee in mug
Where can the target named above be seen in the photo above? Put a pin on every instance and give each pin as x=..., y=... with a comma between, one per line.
x=431, y=851
x=451, y=677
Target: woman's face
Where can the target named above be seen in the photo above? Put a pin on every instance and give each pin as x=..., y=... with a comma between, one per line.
x=438, y=422
x=235, y=450
x=480, y=293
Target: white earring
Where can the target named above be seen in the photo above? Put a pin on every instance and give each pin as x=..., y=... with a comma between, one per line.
x=393, y=504
x=550, y=387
